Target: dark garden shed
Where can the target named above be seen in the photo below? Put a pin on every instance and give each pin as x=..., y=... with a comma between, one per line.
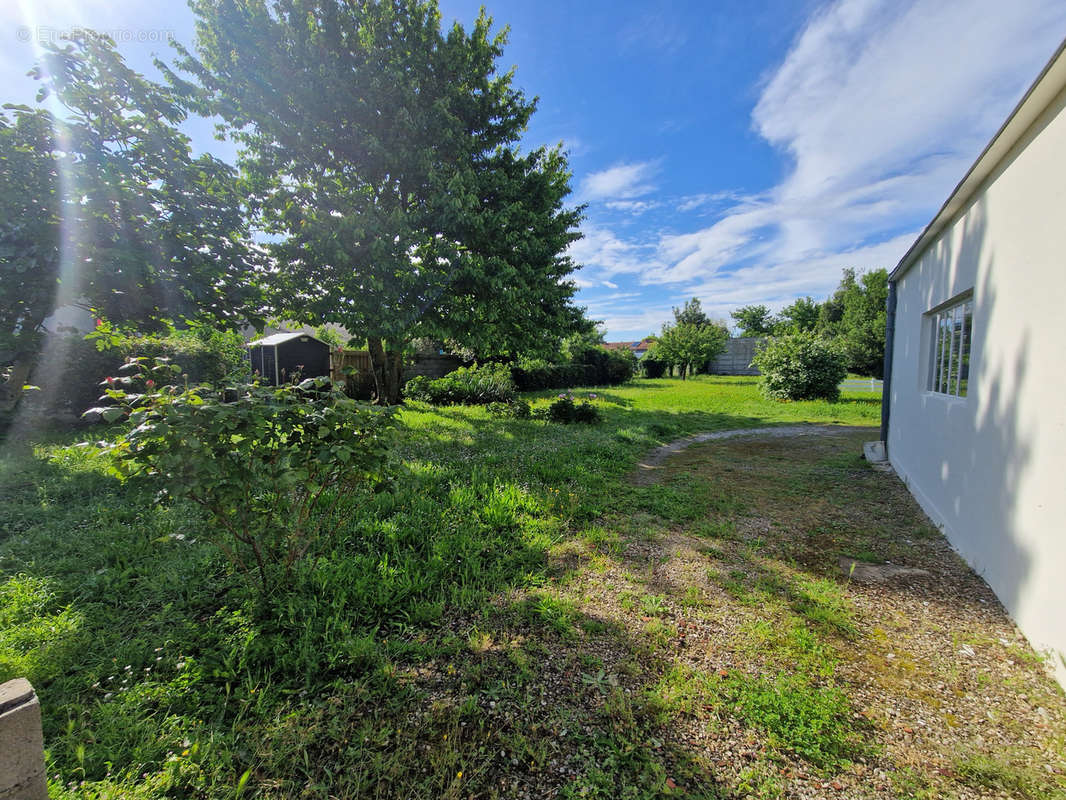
x=283, y=356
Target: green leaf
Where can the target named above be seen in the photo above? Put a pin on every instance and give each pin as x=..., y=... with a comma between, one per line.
x=242, y=783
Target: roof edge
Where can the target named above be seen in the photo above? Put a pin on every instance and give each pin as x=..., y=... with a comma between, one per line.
x=283, y=336
x=1048, y=84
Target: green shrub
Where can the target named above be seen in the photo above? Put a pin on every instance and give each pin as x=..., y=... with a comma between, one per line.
x=516, y=409
x=592, y=366
x=269, y=464
x=620, y=367
x=609, y=367
x=418, y=388
x=72, y=368
x=800, y=366
x=563, y=409
x=477, y=385
x=532, y=376
x=652, y=367
x=587, y=413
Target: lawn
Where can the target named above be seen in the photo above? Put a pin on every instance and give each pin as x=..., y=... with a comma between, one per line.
x=519, y=617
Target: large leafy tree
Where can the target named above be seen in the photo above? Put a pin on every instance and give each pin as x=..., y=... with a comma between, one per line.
x=30, y=203
x=754, y=320
x=854, y=317
x=689, y=346
x=104, y=206
x=711, y=336
x=691, y=313
x=382, y=153
x=801, y=316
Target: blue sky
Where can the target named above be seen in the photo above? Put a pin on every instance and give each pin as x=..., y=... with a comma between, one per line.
x=739, y=152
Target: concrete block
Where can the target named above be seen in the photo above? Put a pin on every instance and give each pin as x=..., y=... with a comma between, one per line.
x=22, y=773
x=874, y=453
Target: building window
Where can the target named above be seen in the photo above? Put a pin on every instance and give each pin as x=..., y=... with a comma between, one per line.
x=949, y=367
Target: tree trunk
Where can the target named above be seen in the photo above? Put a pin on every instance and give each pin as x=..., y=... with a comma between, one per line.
x=386, y=359
x=11, y=389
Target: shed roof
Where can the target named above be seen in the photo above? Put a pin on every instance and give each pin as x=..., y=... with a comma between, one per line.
x=279, y=338
x=1045, y=88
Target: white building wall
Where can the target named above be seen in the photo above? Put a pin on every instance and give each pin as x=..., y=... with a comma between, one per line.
x=990, y=468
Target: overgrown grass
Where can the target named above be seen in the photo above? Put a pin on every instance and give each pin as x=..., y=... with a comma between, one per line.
x=442, y=646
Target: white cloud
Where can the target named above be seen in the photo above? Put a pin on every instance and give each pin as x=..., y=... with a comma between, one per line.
x=633, y=206
x=778, y=283
x=882, y=103
x=881, y=106
x=631, y=325
x=603, y=253
x=581, y=282
x=620, y=182
x=691, y=202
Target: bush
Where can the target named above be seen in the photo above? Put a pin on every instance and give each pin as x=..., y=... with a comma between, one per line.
x=652, y=367
x=531, y=376
x=620, y=367
x=597, y=367
x=270, y=465
x=800, y=366
x=587, y=413
x=73, y=367
x=565, y=410
x=467, y=385
x=418, y=388
x=609, y=367
x=516, y=409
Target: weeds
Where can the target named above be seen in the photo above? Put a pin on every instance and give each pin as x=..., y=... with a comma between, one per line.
x=430, y=648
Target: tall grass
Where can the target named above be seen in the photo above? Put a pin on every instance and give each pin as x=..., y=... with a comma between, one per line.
x=161, y=676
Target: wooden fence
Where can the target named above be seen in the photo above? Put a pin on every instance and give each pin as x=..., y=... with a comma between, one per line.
x=339, y=360
x=361, y=383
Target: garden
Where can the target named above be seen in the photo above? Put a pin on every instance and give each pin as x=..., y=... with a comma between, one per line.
x=498, y=608
x=495, y=583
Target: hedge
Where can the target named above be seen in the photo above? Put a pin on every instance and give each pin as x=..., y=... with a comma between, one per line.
x=71, y=368
x=596, y=367
x=531, y=378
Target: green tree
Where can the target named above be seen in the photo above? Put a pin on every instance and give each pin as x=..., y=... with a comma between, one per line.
x=106, y=208
x=854, y=317
x=590, y=336
x=691, y=313
x=799, y=317
x=754, y=320
x=30, y=212
x=688, y=346
x=383, y=153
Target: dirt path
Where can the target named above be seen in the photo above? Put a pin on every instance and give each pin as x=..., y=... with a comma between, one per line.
x=768, y=591
x=647, y=469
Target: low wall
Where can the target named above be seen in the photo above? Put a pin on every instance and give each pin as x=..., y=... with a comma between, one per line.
x=736, y=358
x=22, y=775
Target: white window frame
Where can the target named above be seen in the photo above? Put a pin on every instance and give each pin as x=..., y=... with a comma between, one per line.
x=951, y=335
